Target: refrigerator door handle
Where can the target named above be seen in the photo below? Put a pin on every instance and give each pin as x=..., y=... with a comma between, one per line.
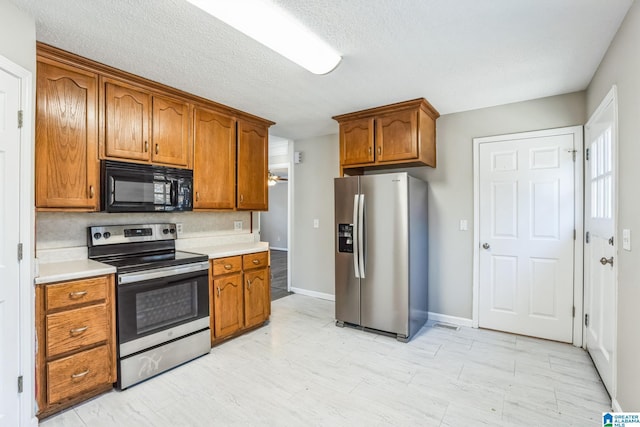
x=361, y=236
x=355, y=232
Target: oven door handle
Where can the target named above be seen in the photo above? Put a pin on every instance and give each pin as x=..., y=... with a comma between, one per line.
x=140, y=276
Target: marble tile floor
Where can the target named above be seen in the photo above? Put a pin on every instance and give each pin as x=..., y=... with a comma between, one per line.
x=302, y=370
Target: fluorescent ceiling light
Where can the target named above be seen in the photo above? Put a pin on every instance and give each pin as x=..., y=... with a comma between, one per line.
x=270, y=25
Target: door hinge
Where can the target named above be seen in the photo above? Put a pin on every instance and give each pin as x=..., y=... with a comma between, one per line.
x=20, y=384
x=586, y=319
x=19, y=251
x=586, y=154
x=574, y=234
x=573, y=311
x=587, y=237
x=20, y=115
x=611, y=241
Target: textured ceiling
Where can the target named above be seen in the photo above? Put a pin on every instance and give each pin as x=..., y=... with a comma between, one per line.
x=458, y=54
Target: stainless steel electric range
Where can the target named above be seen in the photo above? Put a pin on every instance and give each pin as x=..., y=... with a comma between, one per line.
x=162, y=298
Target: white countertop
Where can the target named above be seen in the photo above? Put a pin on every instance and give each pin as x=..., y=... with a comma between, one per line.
x=71, y=270
x=78, y=269
x=219, y=251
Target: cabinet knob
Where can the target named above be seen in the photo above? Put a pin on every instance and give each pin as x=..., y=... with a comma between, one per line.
x=256, y=262
x=228, y=266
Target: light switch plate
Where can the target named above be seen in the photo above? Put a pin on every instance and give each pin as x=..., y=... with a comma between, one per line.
x=237, y=225
x=464, y=226
x=626, y=239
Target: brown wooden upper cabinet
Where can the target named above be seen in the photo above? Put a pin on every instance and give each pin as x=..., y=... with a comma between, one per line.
x=142, y=126
x=252, y=166
x=402, y=134
x=66, y=158
x=214, y=160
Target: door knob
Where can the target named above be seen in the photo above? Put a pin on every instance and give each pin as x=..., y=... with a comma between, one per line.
x=605, y=261
x=486, y=245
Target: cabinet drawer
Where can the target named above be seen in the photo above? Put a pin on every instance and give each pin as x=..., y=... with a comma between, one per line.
x=259, y=259
x=73, y=329
x=231, y=264
x=74, y=375
x=76, y=292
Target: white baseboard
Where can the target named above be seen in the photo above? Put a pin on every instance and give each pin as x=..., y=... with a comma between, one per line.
x=445, y=318
x=314, y=294
x=278, y=249
x=616, y=406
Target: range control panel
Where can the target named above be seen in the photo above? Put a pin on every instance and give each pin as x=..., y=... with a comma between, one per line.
x=345, y=238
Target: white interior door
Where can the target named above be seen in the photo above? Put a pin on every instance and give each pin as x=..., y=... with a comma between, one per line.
x=526, y=234
x=9, y=238
x=600, y=246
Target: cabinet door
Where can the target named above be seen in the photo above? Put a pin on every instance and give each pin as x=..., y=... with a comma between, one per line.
x=252, y=168
x=66, y=159
x=127, y=113
x=256, y=296
x=214, y=160
x=356, y=142
x=170, y=132
x=397, y=136
x=227, y=297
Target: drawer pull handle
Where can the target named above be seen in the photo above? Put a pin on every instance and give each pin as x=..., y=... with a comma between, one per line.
x=228, y=266
x=156, y=148
x=218, y=290
x=80, y=374
x=146, y=146
x=77, y=294
x=248, y=284
x=91, y=192
x=256, y=262
x=78, y=331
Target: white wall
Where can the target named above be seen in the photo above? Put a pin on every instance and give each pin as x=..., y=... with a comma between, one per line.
x=273, y=223
x=621, y=66
x=450, y=196
x=17, y=36
x=312, y=248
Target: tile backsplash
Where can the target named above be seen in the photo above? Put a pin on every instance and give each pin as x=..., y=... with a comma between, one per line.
x=56, y=230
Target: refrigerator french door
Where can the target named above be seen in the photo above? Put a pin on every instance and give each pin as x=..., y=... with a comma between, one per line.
x=381, y=253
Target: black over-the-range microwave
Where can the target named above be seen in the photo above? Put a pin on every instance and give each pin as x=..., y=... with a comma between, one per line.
x=132, y=187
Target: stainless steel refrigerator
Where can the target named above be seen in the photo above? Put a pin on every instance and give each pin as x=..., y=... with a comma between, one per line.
x=381, y=253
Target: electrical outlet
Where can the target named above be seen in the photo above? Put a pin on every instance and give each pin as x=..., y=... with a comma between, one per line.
x=179, y=229
x=316, y=223
x=237, y=225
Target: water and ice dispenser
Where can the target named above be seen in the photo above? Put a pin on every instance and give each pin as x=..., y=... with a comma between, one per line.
x=345, y=238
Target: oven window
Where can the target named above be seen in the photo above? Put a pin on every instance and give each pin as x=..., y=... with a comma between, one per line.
x=157, y=193
x=164, y=306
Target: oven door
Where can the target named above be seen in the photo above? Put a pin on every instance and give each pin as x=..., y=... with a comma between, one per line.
x=158, y=306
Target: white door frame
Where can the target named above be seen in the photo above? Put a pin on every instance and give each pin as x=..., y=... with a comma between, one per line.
x=578, y=283
x=611, y=97
x=27, y=225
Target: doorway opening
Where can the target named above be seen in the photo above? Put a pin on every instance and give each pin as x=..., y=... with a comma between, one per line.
x=275, y=223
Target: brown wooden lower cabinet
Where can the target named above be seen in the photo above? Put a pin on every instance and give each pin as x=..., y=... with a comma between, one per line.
x=240, y=294
x=75, y=327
